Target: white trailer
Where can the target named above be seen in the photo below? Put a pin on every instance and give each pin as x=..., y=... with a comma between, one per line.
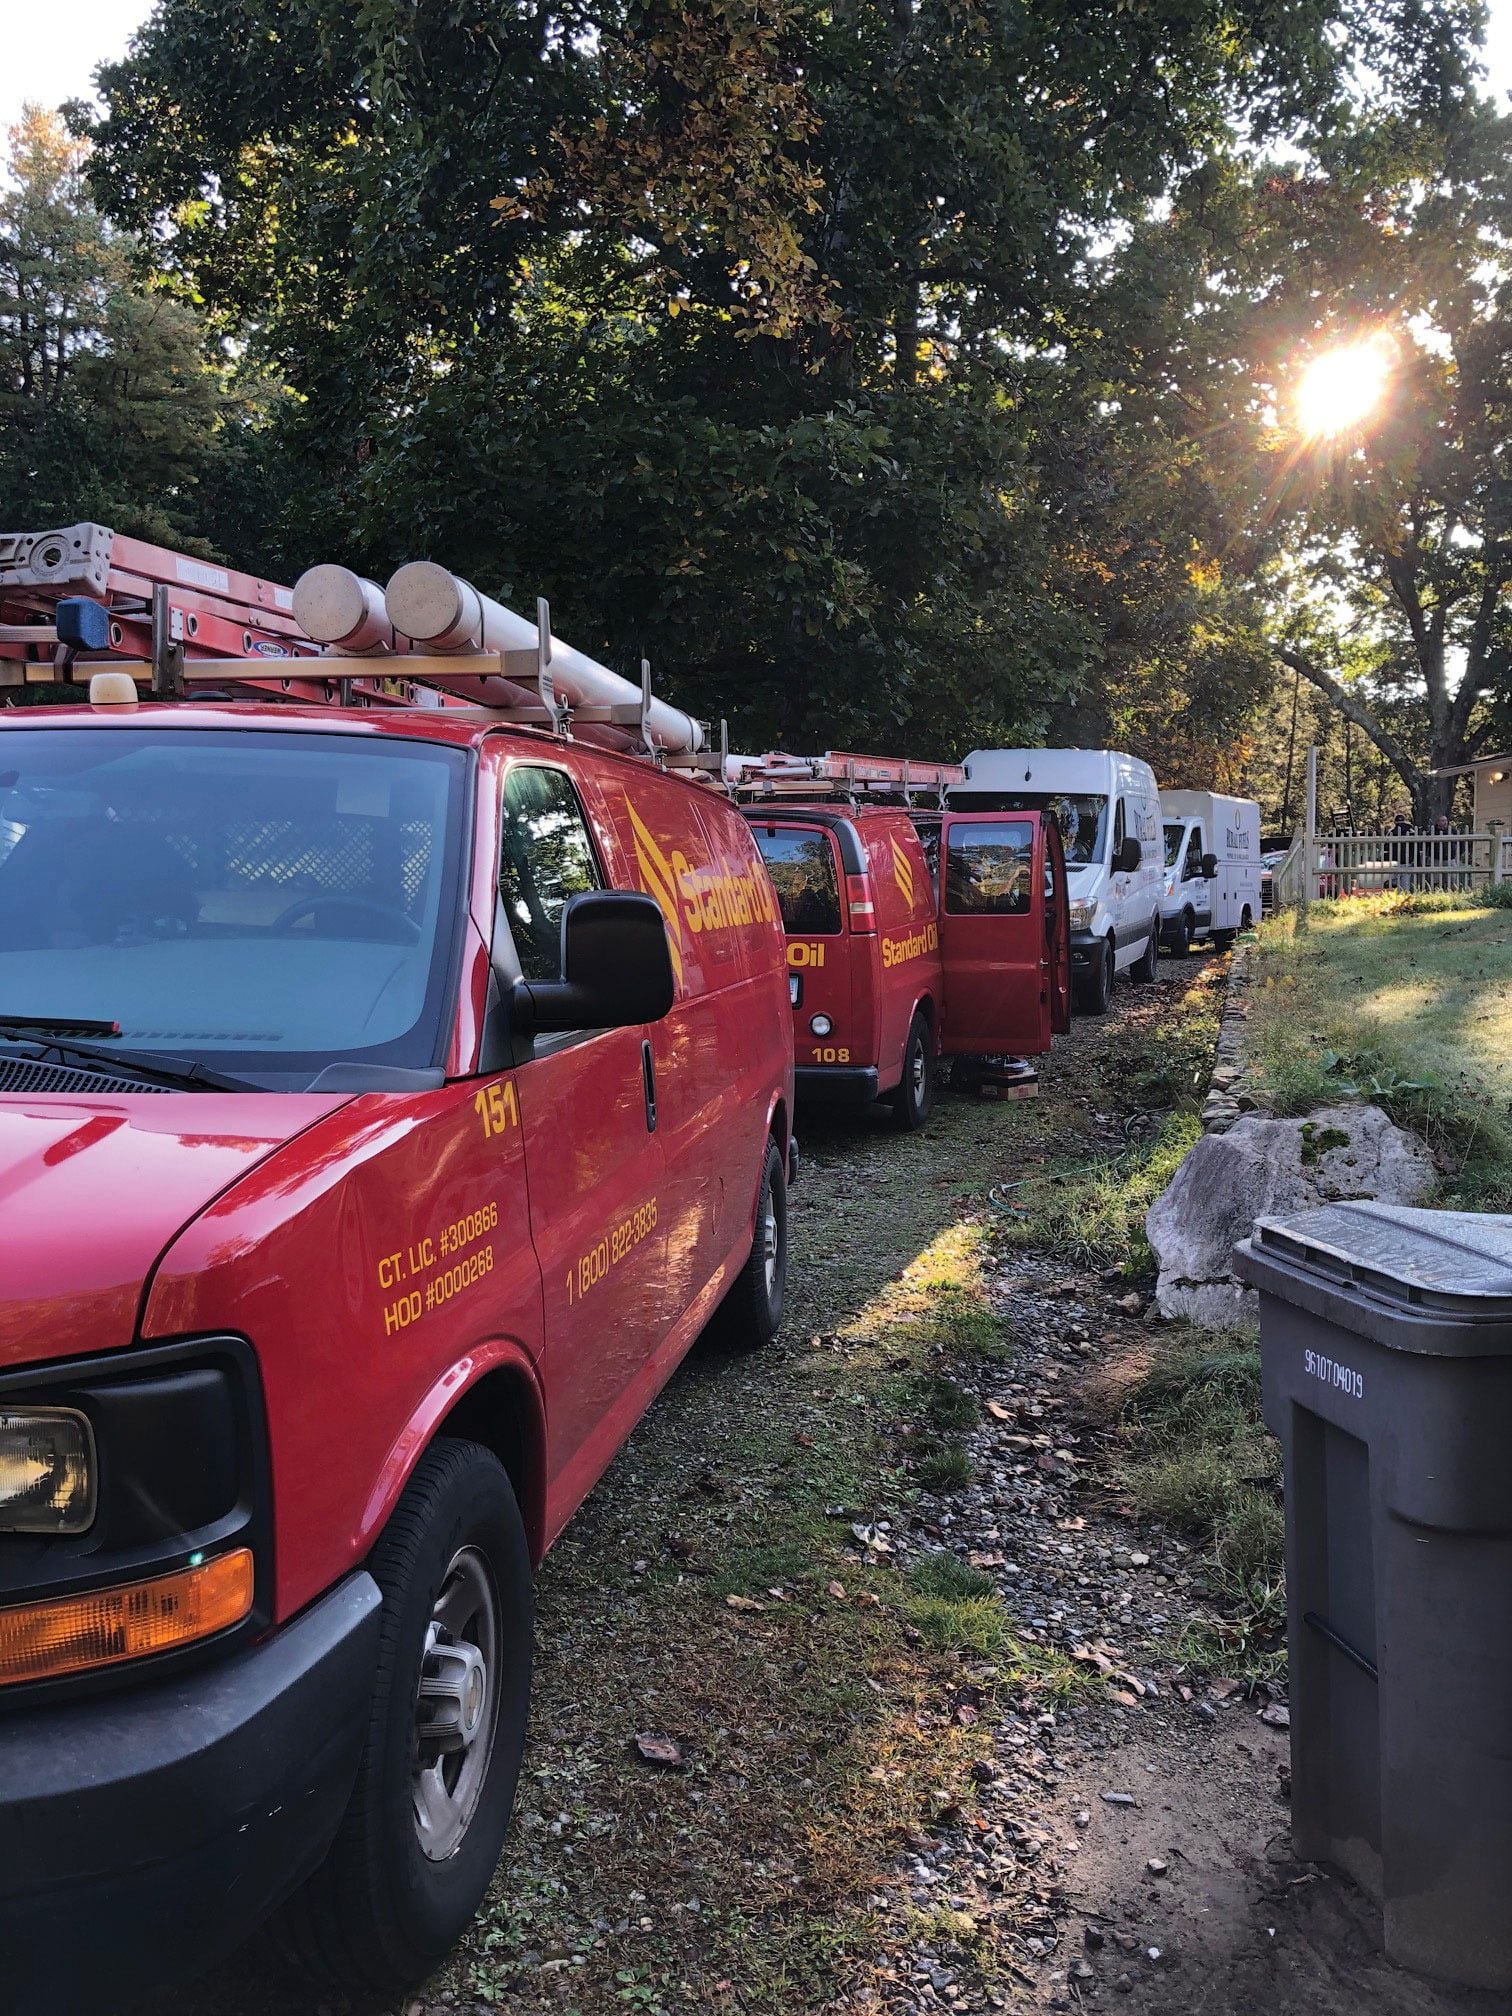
x=1212, y=867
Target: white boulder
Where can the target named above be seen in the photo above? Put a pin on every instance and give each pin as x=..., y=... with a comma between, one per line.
x=1262, y=1168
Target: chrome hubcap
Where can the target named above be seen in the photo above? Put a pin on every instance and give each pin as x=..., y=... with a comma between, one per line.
x=918, y=1073
x=769, y=1241
x=456, y=1706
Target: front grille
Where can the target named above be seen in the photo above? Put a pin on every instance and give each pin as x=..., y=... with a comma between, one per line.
x=20, y=1074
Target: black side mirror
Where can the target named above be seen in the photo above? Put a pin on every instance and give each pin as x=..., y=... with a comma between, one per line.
x=1210, y=866
x=617, y=967
x=1130, y=854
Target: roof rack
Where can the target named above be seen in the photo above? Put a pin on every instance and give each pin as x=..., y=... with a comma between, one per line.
x=838, y=774
x=82, y=599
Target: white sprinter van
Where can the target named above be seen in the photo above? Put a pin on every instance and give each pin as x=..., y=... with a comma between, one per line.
x=1211, y=887
x=1108, y=809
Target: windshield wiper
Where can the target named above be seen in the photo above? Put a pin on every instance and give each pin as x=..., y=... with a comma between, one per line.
x=57, y=1025
x=145, y=1064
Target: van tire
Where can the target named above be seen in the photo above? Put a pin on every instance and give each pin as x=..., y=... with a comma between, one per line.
x=1147, y=966
x=751, y=1314
x=381, y=1910
x=1095, y=992
x=913, y=1101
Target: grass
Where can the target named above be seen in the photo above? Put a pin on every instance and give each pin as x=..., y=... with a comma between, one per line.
x=1405, y=1001
x=1089, y=1210
x=1199, y=1459
x=1092, y=1213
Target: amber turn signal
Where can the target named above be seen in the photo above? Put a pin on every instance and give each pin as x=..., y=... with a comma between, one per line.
x=67, y=1634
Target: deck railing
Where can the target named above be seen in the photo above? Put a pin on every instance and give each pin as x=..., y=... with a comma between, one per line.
x=1347, y=864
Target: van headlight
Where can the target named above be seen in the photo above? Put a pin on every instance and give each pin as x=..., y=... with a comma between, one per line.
x=1170, y=887
x=47, y=1471
x=1081, y=916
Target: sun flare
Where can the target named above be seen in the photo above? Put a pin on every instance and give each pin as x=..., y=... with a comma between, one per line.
x=1340, y=388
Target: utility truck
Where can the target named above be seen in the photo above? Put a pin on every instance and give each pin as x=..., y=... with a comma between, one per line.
x=1213, y=867
x=396, y=1074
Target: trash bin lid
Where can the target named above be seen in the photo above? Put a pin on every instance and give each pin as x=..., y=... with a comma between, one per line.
x=1459, y=1262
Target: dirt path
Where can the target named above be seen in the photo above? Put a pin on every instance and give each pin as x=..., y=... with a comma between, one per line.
x=893, y=1799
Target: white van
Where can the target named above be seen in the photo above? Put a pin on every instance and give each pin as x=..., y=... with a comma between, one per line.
x=1108, y=810
x=1212, y=867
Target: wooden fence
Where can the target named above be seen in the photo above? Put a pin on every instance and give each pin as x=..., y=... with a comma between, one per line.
x=1346, y=864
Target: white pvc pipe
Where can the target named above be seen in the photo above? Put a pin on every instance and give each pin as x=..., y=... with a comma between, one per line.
x=336, y=607
x=444, y=613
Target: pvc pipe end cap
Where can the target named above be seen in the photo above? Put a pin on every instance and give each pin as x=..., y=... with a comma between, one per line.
x=112, y=689
x=330, y=603
x=424, y=600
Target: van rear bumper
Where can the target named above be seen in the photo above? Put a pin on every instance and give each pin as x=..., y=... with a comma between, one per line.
x=837, y=1084
x=144, y=1834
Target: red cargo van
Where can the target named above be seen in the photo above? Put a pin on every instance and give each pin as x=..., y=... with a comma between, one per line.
x=387, y=1100
x=863, y=951
x=1005, y=930
x=912, y=934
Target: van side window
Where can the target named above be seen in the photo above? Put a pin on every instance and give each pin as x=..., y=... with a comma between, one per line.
x=989, y=869
x=801, y=864
x=1119, y=828
x=1191, y=867
x=545, y=857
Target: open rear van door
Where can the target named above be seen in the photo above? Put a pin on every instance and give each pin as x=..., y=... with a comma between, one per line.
x=1057, y=928
x=995, y=935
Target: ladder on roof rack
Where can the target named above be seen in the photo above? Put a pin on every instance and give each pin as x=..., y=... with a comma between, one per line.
x=83, y=599
x=839, y=774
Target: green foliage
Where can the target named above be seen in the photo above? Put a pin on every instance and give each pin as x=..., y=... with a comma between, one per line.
x=944, y=1467
x=772, y=342
x=1093, y=1211
x=109, y=408
x=1404, y=1003
x=947, y=1405
x=1200, y=1460
x=1377, y=555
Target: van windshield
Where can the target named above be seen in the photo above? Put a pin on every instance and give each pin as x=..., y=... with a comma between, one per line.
x=1082, y=816
x=265, y=903
x=801, y=864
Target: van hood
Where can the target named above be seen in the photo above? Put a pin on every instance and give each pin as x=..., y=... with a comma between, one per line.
x=93, y=1190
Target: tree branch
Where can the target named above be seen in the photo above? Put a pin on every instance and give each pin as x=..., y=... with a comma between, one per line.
x=1361, y=716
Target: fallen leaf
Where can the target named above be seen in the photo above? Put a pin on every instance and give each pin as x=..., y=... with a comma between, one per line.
x=837, y=1590
x=664, y=1751
x=743, y=1603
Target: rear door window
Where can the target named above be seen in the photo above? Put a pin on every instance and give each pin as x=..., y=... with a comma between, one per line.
x=989, y=869
x=801, y=863
x=545, y=857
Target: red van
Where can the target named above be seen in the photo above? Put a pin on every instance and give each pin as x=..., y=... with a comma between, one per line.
x=387, y=1101
x=1005, y=930
x=863, y=951
x=911, y=934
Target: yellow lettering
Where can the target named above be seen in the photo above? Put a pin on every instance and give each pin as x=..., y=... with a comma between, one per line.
x=687, y=883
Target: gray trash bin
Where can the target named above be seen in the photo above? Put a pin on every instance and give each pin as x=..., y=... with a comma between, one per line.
x=1386, y=1352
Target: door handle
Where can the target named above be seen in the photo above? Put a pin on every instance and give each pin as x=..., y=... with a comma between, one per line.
x=648, y=1084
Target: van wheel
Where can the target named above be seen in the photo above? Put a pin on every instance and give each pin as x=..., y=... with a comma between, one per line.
x=1095, y=992
x=1147, y=965
x=422, y=1833
x=751, y=1314
x=1188, y=931
x=913, y=1101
